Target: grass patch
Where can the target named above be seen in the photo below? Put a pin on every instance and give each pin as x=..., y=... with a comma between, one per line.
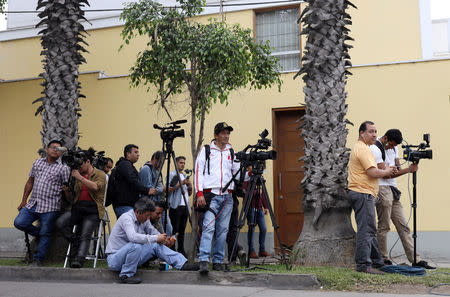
x=347, y=279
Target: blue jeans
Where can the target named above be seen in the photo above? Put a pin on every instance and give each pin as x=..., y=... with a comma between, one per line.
x=222, y=205
x=167, y=228
x=130, y=256
x=24, y=222
x=120, y=210
x=262, y=228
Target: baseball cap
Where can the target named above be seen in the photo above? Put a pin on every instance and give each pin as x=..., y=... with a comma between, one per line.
x=222, y=126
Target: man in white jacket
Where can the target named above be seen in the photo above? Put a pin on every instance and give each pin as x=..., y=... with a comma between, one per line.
x=214, y=168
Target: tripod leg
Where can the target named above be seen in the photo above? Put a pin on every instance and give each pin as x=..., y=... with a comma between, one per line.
x=274, y=221
x=241, y=220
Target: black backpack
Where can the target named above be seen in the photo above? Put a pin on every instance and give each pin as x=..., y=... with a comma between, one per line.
x=111, y=192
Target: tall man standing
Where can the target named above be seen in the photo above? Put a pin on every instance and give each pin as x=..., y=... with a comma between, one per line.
x=388, y=203
x=212, y=173
x=126, y=186
x=179, y=204
x=45, y=184
x=363, y=175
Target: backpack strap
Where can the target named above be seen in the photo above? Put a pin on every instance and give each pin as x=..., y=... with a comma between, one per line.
x=207, y=153
x=383, y=152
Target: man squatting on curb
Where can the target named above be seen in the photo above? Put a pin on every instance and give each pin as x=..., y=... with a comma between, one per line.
x=133, y=241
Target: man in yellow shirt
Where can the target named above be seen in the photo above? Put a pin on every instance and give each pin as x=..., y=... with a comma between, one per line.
x=363, y=175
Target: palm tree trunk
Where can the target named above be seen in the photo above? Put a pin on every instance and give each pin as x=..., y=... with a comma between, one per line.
x=327, y=236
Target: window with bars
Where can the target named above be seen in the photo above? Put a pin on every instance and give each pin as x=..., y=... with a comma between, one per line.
x=280, y=27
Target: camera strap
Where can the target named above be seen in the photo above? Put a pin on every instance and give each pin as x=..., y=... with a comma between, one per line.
x=381, y=147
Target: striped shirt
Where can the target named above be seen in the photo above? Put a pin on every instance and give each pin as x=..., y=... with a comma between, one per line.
x=47, y=186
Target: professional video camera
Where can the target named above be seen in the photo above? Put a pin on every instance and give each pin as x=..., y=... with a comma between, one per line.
x=420, y=153
x=248, y=158
x=170, y=132
x=188, y=173
x=73, y=158
x=100, y=160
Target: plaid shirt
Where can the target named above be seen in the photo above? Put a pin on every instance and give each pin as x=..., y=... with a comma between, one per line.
x=47, y=186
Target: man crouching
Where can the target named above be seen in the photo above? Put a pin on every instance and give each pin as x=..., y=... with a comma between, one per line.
x=134, y=240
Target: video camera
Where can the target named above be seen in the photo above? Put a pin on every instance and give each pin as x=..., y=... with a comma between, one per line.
x=170, y=132
x=188, y=173
x=420, y=153
x=73, y=158
x=248, y=158
x=100, y=160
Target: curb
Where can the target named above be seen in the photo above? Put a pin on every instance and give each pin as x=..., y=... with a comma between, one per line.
x=90, y=275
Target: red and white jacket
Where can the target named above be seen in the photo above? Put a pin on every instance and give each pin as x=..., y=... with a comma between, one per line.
x=221, y=169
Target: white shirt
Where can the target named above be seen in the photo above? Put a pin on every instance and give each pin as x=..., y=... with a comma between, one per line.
x=391, y=155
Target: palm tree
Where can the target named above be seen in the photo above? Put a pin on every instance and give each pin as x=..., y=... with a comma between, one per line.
x=327, y=236
x=61, y=42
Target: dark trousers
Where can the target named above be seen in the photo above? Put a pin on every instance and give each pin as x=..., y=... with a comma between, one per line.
x=179, y=217
x=366, y=251
x=85, y=215
x=233, y=229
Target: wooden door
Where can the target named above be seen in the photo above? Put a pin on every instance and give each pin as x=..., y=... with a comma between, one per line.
x=288, y=174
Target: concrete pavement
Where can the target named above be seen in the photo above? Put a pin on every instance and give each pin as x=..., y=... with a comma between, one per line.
x=38, y=289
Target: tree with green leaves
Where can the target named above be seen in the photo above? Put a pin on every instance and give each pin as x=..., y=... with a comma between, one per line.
x=327, y=236
x=62, y=36
x=208, y=60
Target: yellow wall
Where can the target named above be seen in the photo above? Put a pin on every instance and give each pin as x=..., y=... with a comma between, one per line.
x=114, y=114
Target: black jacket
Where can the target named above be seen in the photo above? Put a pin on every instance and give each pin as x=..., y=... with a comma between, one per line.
x=127, y=186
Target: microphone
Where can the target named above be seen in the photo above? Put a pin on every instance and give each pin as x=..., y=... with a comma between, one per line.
x=155, y=126
x=179, y=122
x=61, y=149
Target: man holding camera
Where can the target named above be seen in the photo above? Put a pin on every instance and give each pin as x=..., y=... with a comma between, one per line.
x=179, y=203
x=45, y=184
x=87, y=207
x=211, y=174
x=388, y=203
x=124, y=186
x=148, y=175
x=363, y=174
x=133, y=241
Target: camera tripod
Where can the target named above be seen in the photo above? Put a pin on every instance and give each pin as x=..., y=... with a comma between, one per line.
x=258, y=183
x=168, y=153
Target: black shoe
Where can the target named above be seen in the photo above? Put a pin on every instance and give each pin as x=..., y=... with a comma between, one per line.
x=76, y=264
x=130, y=280
x=190, y=267
x=217, y=267
x=242, y=255
x=203, y=267
x=377, y=265
x=387, y=262
x=423, y=264
x=35, y=263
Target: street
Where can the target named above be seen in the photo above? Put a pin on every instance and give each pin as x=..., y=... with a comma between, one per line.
x=48, y=289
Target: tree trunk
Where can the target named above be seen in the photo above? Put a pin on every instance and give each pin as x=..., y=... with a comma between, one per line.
x=327, y=236
x=331, y=243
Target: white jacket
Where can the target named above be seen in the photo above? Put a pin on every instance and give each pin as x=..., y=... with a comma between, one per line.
x=221, y=169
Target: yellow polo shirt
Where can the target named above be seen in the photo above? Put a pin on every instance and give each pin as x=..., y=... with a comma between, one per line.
x=362, y=159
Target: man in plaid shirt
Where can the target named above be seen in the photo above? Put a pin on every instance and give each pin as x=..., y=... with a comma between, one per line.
x=45, y=184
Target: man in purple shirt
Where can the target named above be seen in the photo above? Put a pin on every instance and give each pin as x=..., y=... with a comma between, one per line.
x=45, y=184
